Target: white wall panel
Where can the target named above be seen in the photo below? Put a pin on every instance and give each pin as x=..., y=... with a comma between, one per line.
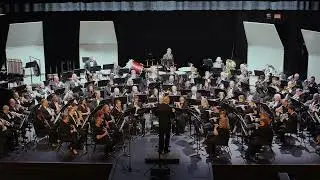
x=312, y=41
x=264, y=46
x=25, y=40
x=98, y=40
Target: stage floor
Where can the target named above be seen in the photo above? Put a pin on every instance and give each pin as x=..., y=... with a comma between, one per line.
x=181, y=147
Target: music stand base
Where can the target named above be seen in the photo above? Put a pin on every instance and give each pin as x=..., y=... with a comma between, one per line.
x=160, y=171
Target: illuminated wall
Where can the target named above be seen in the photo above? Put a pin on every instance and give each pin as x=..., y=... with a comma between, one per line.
x=25, y=40
x=98, y=40
x=312, y=41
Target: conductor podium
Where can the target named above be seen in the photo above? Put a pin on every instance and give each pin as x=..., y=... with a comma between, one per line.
x=170, y=158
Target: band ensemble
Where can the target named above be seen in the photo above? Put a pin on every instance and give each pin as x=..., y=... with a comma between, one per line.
x=122, y=102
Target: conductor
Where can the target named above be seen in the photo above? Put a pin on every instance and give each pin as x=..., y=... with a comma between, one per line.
x=164, y=112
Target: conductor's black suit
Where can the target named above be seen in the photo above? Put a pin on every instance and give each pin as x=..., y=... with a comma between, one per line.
x=165, y=113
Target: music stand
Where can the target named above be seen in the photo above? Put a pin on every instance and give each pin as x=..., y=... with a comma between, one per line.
x=59, y=91
x=120, y=87
x=95, y=69
x=185, y=92
x=258, y=73
x=167, y=87
x=204, y=92
x=124, y=71
x=119, y=80
x=165, y=77
x=103, y=83
x=142, y=97
x=108, y=66
x=88, y=83
x=107, y=101
x=123, y=99
x=78, y=72
x=154, y=85
x=77, y=89
x=174, y=98
x=137, y=80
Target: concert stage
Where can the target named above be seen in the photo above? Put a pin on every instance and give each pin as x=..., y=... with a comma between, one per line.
x=145, y=147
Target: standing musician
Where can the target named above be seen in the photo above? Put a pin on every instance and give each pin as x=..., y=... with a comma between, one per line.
x=167, y=60
x=68, y=133
x=220, y=136
x=164, y=112
x=101, y=134
x=262, y=135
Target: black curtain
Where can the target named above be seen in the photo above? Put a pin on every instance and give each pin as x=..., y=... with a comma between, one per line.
x=3, y=39
x=61, y=43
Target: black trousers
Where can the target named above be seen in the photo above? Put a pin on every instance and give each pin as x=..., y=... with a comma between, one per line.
x=252, y=149
x=73, y=139
x=164, y=139
x=108, y=144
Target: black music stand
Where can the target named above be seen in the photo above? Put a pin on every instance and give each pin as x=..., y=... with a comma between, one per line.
x=60, y=91
x=137, y=80
x=124, y=71
x=108, y=66
x=167, y=87
x=78, y=72
x=142, y=97
x=205, y=93
x=95, y=69
x=185, y=92
x=174, y=99
x=119, y=80
x=88, y=83
x=103, y=83
x=120, y=87
x=123, y=99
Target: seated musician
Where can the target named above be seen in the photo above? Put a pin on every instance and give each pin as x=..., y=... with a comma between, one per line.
x=90, y=91
x=97, y=99
x=289, y=125
x=204, y=110
x=187, y=85
x=220, y=136
x=68, y=133
x=133, y=74
x=174, y=91
x=117, y=109
x=15, y=108
x=116, y=93
x=6, y=115
x=44, y=121
x=312, y=85
x=101, y=135
x=181, y=117
x=106, y=114
x=56, y=83
x=155, y=93
x=297, y=96
x=84, y=108
x=194, y=94
x=54, y=104
x=8, y=135
x=130, y=82
x=277, y=102
x=171, y=80
x=207, y=75
x=134, y=92
x=138, y=117
x=260, y=136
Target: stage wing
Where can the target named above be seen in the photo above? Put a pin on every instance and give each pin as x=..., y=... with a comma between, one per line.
x=312, y=41
x=25, y=44
x=98, y=40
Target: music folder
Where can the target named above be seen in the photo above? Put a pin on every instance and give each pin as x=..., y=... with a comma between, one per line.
x=152, y=99
x=204, y=92
x=77, y=89
x=213, y=102
x=95, y=68
x=103, y=83
x=120, y=87
x=137, y=80
x=123, y=99
x=167, y=87
x=124, y=71
x=217, y=91
x=258, y=73
x=108, y=66
x=59, y=91
x=194, y=102
x=174, y=99
x=154, y=85
x=142, y=97
x=88, y=83
x=119, y=80
x=106, y=101
x=185, y=92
